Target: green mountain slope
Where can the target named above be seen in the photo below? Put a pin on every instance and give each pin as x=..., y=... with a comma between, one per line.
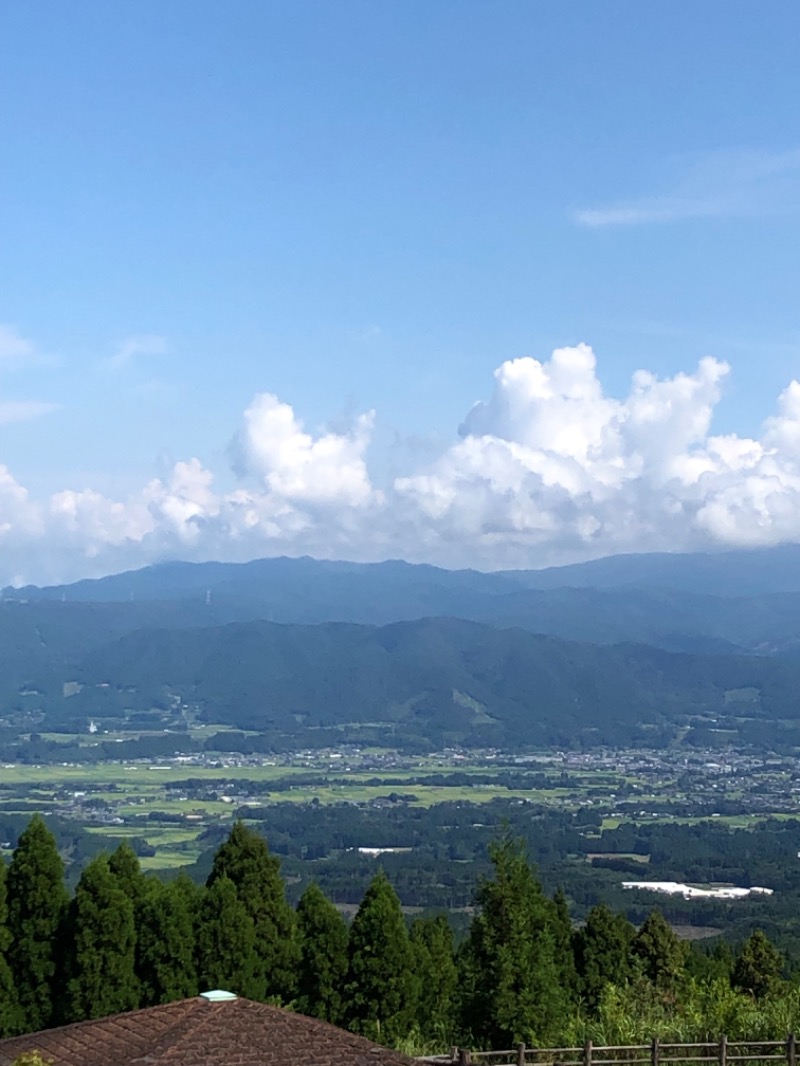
x=439, y=681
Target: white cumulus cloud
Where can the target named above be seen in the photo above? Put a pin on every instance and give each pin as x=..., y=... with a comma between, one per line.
x=550, y=468
x=547, y=469
x=298, y=467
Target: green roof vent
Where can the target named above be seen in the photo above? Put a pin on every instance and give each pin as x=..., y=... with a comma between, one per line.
x=218, y=995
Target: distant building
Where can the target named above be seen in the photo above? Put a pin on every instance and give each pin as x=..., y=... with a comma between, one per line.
x=676, y=888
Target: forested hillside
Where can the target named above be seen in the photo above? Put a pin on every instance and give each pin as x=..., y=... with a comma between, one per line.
x=427, y=683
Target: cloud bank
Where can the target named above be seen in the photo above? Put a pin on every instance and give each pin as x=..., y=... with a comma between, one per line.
x=548, y=469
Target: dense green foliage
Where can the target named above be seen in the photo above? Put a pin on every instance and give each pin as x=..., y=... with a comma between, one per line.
x=226, y=942
x=758, y=969
x=436, y=977
x=379, y=993
x=10, y=1014
x=245, y=861
x=37, y=900
x=513, y=987
x=102, y=937
x=603, y=953
x=322, y=935
x=659, y=953
x=165, y=950
x=522, y=972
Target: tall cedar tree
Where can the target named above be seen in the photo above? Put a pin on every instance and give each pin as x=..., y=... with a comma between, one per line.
x=603, y=953
x=10, y=1014
x=103, y=979
x=660, y=953
x=759, y=966
x=565, y=956
x=126, y=870
x=226, y=943
x=37, y=902
x=165, y=946
x=245, y=860
x=512, y=992
x=380, y=982
x=436, y=977
x=323, y=956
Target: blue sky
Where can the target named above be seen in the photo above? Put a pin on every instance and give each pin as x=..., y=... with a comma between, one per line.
x=364, y=210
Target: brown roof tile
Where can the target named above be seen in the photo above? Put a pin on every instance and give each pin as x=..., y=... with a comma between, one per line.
x=199, y=1032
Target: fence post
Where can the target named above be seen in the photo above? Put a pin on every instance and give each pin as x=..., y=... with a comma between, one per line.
x=654, y=1052
x=464, y=1057
x=587, y=1053
x=723, y=1050
x=791, y=1050
x=453, y=1053
x=520, y=1055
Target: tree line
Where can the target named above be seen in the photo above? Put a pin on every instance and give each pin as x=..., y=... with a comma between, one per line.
x=125, y=940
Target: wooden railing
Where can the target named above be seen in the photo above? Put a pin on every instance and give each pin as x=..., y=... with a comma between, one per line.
x=722, y=1052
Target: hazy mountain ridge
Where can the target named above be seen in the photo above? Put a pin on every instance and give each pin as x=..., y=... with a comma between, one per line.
x=295, y=647
x=739, y=572
x=306, y=591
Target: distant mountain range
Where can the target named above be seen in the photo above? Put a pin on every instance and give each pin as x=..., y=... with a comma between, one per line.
x=751, y=572
x=726, y=603
x=630, y=649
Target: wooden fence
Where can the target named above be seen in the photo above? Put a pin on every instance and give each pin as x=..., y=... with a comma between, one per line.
x=722, y=1052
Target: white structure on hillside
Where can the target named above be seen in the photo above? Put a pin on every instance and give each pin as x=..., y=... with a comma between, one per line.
x=676, y=888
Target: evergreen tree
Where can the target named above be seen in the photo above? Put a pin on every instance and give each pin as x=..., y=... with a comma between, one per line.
x=10, y=1013
x=758, y=967
x=165, y=957
x=661, y=954
x=103, y=979
x=245, y=860
x=707, y=964
x=603, y=953
x=124, y=866
x=512, y=992
x=436, y=976
x=323, y=956
x=37, y=901
x=380, y=982
x=226, y=942
x=126, y=870
x=563, y=945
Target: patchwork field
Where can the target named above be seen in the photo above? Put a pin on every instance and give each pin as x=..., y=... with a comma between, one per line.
x=166, y=805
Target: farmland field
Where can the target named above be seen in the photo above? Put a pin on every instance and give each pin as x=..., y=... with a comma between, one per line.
x=169, y=804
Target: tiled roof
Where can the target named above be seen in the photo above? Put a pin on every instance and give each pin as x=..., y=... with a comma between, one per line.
x=202, y=1032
